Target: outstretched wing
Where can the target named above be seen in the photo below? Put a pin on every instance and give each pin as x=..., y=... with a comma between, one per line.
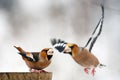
x=58, y=44
x=93, y=39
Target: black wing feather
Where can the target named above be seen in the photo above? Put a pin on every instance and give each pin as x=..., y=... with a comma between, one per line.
x=58, y=44
x=35, y=56
x=25, y=56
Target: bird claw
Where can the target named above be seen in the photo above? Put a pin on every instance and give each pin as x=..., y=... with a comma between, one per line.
x=93, y=71
x=86, y=70
x=38, y=71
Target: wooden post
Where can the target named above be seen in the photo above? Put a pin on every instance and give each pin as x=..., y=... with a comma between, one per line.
x=26, y=76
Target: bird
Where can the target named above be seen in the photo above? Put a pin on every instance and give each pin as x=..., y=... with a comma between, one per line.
x=36, y=61
x=81, y=55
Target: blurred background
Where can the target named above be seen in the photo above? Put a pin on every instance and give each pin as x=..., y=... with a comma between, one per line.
x=32, y=23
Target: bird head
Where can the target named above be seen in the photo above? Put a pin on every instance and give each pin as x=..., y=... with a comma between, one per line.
x=47, y=53
x=71, y=49
x=65, y=47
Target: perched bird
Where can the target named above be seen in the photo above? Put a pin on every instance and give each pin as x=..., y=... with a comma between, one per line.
x=81, y=55
x=36, y=61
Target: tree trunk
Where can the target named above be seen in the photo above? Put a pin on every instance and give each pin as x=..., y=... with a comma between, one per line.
x=26, y=76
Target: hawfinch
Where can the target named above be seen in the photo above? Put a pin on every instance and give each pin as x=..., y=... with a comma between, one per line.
x=81, y=55
x=36, y=61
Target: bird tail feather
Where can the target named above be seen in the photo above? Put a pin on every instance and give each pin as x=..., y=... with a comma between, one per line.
x=19, y=49
x=101, y=65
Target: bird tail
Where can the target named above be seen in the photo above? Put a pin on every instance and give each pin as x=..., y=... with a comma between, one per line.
x=101, y=65
x=19, y=49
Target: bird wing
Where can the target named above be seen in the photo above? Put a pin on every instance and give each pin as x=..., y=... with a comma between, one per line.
x=95, y=34
x=35, y=55
x=58, y=44
x=30, y=56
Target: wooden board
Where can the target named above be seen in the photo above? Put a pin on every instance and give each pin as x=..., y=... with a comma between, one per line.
x=25, y=76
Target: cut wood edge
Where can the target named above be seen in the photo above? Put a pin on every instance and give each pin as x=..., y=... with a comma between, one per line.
x=26, y=76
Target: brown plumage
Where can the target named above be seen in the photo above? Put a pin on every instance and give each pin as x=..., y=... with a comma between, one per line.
x=81, y=55
x=36, y=61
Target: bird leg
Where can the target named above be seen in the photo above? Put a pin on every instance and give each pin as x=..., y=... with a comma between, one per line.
x=86, y=70
x=39, y=71
x=93, y=71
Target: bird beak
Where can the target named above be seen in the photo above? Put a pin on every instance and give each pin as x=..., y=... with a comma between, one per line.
x=67, y=49
x=50, y=54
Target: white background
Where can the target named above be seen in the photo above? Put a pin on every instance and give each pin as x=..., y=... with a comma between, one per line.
x=32, y=23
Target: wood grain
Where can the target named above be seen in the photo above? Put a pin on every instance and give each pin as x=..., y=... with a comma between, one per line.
x=25, y=76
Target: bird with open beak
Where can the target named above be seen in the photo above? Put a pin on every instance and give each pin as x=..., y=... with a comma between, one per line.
x=81, y=55
x=36, y=61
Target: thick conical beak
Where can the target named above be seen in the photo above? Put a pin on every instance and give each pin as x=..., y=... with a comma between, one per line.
x=67, y=49
x=50, y=54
